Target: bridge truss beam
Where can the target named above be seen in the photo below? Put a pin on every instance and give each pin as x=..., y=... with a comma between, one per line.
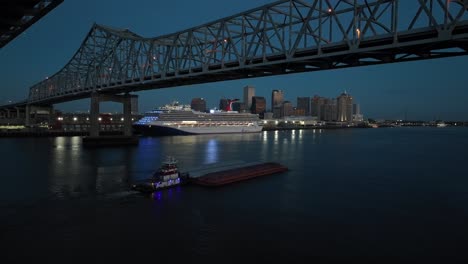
x=287, y=36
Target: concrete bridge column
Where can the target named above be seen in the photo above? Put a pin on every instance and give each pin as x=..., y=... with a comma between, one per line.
x=127, y=109
x=17, y=112
x=8, y=113
x=51, y=115
x=27, y=114
x=94, y=115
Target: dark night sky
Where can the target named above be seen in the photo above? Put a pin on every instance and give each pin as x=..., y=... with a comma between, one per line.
x=424, y=90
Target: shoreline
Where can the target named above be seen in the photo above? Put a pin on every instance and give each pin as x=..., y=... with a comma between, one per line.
x=19, y=134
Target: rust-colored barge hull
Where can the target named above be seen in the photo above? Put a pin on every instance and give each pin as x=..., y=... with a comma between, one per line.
x=239, y=174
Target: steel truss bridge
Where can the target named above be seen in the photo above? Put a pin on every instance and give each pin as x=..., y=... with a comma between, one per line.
x=284, y=37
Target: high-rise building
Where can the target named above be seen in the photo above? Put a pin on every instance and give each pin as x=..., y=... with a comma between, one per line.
x=303, y=103
x=356, y=109
x=316, y=104
x=249, y=92
x=277, y=98
x=258, y=105
x=357, y=116
x=198, y=104
x=345, y=107
x=287, y=109
x=328, y=110
x=277, y=112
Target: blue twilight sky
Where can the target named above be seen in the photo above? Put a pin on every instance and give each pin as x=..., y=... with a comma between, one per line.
x=423, y=90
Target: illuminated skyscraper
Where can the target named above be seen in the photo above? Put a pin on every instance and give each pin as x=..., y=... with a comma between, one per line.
x=345, y=107
x=277, y=98
x=249, y=92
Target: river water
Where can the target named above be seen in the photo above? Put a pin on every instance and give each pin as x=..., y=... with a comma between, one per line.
x=398, y=193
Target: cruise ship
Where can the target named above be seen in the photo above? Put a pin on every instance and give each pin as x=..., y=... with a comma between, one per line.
x=176, y=119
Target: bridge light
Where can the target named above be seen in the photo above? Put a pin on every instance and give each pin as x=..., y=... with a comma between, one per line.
x=329, y=10
x=225, y=40
x=122, y=119
x=358, y=32
x=99, y=119
x=75, y=118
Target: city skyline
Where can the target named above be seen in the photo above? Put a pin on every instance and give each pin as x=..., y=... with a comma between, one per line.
x=426, y=90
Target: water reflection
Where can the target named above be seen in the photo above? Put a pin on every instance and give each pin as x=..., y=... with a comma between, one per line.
x=166, y=194
x=211, y=152
x=76, y=171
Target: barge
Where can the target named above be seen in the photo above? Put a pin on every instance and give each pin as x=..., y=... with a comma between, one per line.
x=212, y=175
x=239, y=173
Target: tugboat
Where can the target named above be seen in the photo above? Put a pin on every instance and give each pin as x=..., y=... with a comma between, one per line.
x=167, y=175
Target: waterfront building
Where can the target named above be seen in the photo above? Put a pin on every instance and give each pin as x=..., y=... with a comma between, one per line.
x=299, y=112
x=316, y=105
x=249, y=92
x=258, y=105
x=345, y=107
x=277, y=97
x=198, y=104
x=303, y=103
x=268, y=115
x=77, y=122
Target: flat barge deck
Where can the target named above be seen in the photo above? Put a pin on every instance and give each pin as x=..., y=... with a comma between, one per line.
x=237, y=173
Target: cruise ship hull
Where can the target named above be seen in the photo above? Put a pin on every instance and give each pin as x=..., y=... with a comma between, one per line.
x=157, y=130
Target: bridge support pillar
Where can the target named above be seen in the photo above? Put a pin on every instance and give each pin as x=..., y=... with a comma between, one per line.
x=94, y=139
x=129, y=104
x=27, y=115
x=127, y=110
x=94, y=115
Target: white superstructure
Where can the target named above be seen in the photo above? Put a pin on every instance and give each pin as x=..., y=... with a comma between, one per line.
x=178, y=119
